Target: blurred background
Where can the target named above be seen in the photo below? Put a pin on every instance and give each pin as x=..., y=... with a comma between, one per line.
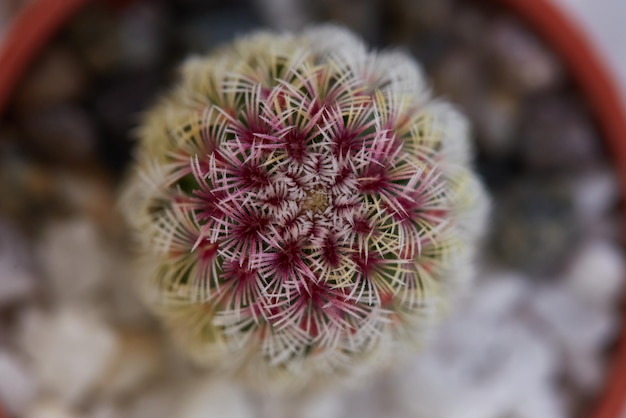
x=534, y=337
x=601, y=21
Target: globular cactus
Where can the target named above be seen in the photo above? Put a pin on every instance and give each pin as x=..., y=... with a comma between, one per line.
x=303, y=207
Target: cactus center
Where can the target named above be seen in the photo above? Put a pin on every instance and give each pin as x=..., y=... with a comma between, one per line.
x=316, y=200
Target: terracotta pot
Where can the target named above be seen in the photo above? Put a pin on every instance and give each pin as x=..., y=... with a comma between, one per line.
x=34, y=26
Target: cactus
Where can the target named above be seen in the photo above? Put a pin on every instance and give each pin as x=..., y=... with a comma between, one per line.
x=302, y=207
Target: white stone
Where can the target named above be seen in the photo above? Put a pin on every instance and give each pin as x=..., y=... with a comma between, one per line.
x=106, y=410
x=597, y=273
x=74, y=260
x=81, y=267
x=16, y=283
x=575, y=324
x=50, y=408
x=124, y=305
x=284, y=14
x=18, y=387
x=585, y=368
x=369, y=401
x=138, y=361
x=479, y=386
x=17, y=279
x=541, y=401
x=159, y=402
x=497, y=293
x=327, y=404
x=484, y=360
x=215, y=398
x=141, y=35
x=70, y=350
x=525, y=60
x=272, y=405
x=595, y=193
x=93, y=196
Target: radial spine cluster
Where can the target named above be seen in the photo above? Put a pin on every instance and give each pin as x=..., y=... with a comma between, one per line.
x=302, y=206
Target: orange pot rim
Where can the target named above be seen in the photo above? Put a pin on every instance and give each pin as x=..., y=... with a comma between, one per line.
x=40, y=20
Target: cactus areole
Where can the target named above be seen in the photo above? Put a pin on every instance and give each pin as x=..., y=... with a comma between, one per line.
x=302, y=206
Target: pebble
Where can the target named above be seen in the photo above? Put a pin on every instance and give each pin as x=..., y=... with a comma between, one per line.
x=137, y=363
x=469, y=25
x=94, y=36
x=124, y=306
x=284, y=14
x=18, y=386
x=213, y=398
x=596, y=274
x=142, y=35
x=70, y=350
x=430, y=14
x=201, y=33
x=416, y=21
x=544, y=401
x=483, y=364
x=28, y=185
x=596, y=193
x=558, y=134
x=460, y=77
x=326, y=404
x=63, y=133
x=497, y=122
x=74, y=260
x=369, y=402
x=362, y=19
x=575, y=324
x=523, y=62
x=56, y=77
x=273, y=405
x=51, y=408
x=156, y=402
x=535, y=227
x=195, y=6
x=18, y=280
x=106, y=410
x=585, y=369
x=120, y=101
x=499, y=292
x=90, y=195
x=315, y=403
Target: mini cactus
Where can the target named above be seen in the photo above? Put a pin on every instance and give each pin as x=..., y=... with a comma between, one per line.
x=303, y=207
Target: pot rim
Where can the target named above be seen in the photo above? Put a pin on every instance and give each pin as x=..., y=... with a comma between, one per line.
x=31, y=29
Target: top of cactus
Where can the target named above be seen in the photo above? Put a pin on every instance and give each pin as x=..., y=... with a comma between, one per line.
x=302, y=204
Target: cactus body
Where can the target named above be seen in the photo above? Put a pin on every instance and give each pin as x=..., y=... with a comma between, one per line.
x=303, y=207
